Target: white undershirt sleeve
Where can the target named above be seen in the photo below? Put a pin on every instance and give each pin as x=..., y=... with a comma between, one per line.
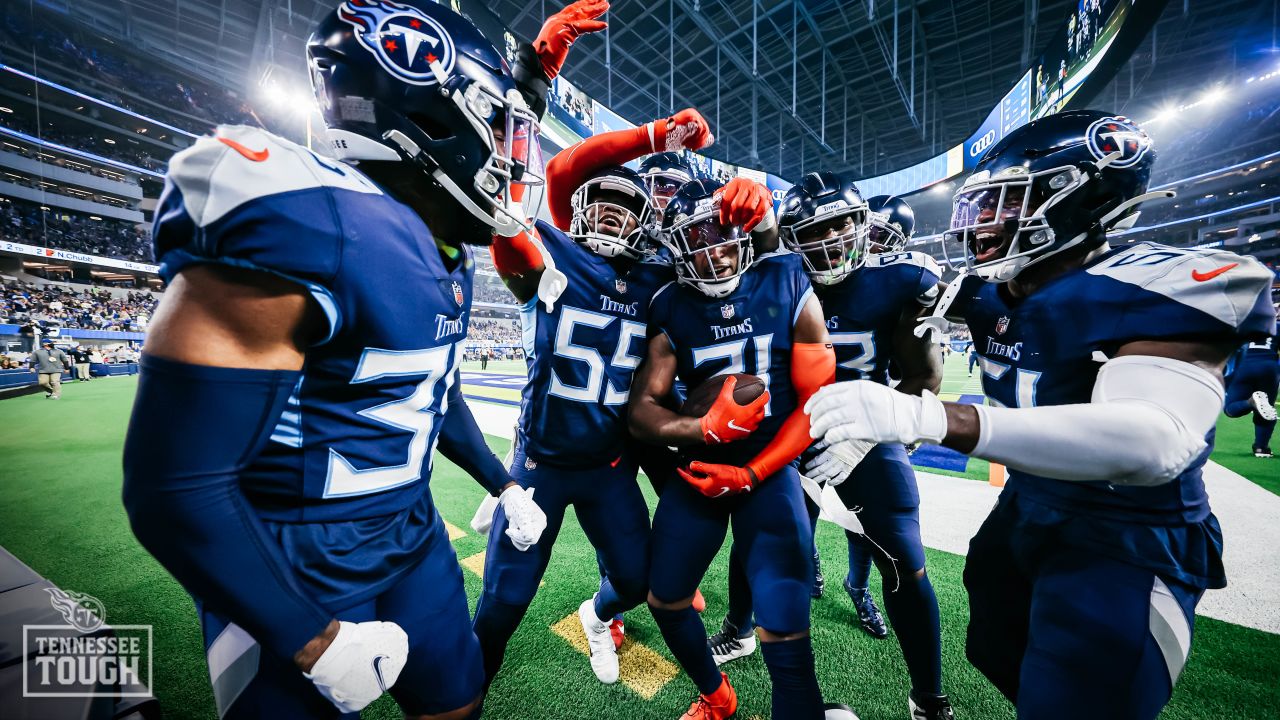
x=1144, y=425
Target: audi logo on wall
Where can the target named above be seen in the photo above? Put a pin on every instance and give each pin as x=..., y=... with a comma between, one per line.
x=981, y=144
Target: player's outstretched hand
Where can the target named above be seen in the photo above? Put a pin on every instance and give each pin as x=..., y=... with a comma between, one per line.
x=561, y=30
x=865, y=410
x=744, y=202
x=836, y=460
x=525, y=520
x=361, y=663
x=716, y=480
x=686, y=129
x=727, y=421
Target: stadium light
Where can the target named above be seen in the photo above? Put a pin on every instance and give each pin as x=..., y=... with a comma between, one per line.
x=1213, y=95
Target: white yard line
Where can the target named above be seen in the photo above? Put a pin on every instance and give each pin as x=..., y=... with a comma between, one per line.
x=951, y=509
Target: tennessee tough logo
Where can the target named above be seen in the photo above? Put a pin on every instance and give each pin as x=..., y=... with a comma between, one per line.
x=405, y=41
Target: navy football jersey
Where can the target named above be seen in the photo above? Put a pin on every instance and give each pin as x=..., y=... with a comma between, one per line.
x=581, y=355
x=1047, y=349
x=749, y=331
x=1263, y=350
x=864, y=308
x=357, y=436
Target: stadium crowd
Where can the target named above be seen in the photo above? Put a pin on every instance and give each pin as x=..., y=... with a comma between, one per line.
x=93, y=61
x=491, y=290
x=26, y=223
x=50, y=306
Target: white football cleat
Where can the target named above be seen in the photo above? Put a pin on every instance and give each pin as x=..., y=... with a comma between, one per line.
x=836, y=711
x=1262, y=405
x=604, y=656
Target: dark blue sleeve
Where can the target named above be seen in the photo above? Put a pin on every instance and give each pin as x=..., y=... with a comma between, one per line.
x=193, y=431
x=462, y=442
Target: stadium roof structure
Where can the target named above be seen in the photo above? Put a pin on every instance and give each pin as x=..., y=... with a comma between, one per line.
x=868, y=86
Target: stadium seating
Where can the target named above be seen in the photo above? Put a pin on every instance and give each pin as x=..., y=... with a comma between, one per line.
x=26, y=223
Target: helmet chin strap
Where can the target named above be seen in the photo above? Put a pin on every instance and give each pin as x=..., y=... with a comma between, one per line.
x=1123, y=207
x=505, y=227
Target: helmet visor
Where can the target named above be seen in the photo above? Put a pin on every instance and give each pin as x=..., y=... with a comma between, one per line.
x=514, y=177
x=708, y=252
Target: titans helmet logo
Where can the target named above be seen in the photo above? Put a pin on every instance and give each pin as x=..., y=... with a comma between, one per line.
x=1110, y=134
x=404, y=40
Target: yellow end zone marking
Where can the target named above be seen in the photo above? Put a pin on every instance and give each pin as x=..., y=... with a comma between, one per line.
x=454, y=531
x=475, y=564
x=641, y=669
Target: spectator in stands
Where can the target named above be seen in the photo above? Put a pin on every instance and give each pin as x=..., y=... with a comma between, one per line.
x=80, y=354
x=49, y=362
x=28, y=333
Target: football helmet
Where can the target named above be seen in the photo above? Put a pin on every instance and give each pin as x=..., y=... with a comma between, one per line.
x=892, y=224
x=1053, y=184
x=664, y=173
x=612, y=211
x=824, y=220
x=707, y=256
x=414, y=82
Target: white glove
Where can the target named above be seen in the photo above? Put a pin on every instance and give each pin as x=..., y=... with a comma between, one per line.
x=552, y=283
x=865, y=410
x=940, y=327
x=361, y=663
x=835, y=462
x=525, y=520
x=483, y=519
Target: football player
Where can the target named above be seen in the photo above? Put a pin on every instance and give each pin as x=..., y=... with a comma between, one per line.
x=1104, y=367
x=665, y=173
x=280, y=446
x=892, y=224
x=585, y=341
x=1252, y=389
x=730, y=312
x=871, y=303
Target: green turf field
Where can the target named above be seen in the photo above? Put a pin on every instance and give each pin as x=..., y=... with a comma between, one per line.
x=62, y=516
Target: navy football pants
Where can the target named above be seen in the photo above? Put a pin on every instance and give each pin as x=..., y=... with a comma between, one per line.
x=771, y=534
x=613, y=514
x=444, y=670
x=1250, y=377
x=1065, y=632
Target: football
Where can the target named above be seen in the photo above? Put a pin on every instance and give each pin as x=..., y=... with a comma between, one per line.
x=701, y=398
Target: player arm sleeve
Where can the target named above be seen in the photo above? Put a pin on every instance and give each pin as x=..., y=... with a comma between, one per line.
x=462, y=442
x=1145, y=424
x=572, y=166
x=193, y=431
x=812, y=366
x=516, y=256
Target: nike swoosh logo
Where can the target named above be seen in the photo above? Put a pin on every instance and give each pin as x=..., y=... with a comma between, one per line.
x=377, y=671
x=735, y=426
x=1202, y=277
x=723, y=491
x=254, y=155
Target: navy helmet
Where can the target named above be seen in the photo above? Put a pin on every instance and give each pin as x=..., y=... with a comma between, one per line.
x=893, y=222
x=664, y=173
x=707, y=256
x=1060, y=182
x=414, y=82
x=824, y=220
x=612, y=213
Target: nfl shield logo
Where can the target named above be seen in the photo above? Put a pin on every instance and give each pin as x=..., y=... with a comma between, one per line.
x=1002, y=325
x=457, y=293
x=621, y=285
x=726, y=311
x=530, y=464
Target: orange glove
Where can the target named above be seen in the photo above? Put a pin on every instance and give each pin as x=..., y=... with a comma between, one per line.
x=727, y=421
x=562, y=29
x=745, y=202
x=717, y=480
x=686, y=129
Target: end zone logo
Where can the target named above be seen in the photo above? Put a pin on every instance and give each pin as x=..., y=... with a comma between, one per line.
x=85, y=657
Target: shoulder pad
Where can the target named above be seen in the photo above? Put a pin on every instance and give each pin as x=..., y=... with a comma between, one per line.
x=1221, y=284
x=918, y=259
x=239, y=164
